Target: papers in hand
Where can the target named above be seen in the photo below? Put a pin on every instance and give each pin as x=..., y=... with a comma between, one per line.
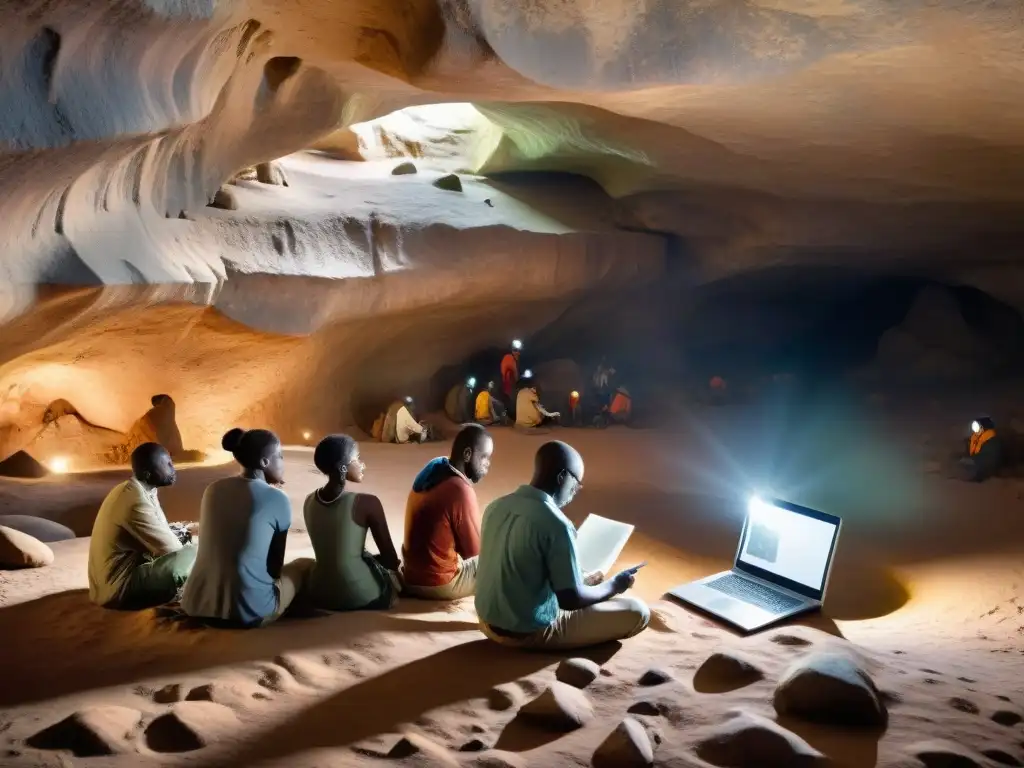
x=599, y=542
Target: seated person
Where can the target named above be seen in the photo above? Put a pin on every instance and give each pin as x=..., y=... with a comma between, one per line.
x=619, y=411
x=529, y=411
x=530, y=592
x=489, y=409
x=346, y=577
x=240, y=577
x=135, y=559
x=400, y=426
x=984, y=456
x=442, y=520
x=458, y=405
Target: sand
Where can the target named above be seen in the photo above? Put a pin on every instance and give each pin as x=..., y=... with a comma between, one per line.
x=923, y=598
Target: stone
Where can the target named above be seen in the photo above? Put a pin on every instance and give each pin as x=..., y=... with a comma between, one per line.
x=643, y=707
x=577, y=672
x=830, y=688
x=271, y=173
x=745, y=739
x=451, y=182
x=726, y=671
x=224, y=199
x=169, y=694
x=91, y=732
x=498, y=758
x=1007, y=717
x=473, y=745
x=190, y=725
x=559, y=708
x=47, y=531
x=628, y=746
x=654, y=676
x=404, y=169
x=940, y=753
x=500, y=699
x=19, y=550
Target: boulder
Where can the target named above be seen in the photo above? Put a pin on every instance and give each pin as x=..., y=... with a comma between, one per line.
x=578, y=672
x=830, y=688
x=190, y=725
x=746, y=739
x=560, y=708
x=404, y=169
x=271, y=173
x=451, y=182
x=654, y=676
x=19, y=550
x=38, y=527
x=91, y=732
x=939, y=753
x=21, y=464
x=628, y=746
x=726, y=671
x=224, y=199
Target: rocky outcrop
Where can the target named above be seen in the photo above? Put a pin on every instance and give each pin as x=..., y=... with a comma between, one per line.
x=19, y=550
x=830, y=688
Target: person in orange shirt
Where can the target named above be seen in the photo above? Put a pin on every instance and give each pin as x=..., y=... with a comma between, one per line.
x=984, y=452
x=618, y=411
x=510, y=370
x=442, y=520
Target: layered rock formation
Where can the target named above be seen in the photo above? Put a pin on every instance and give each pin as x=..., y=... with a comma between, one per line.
x=764, y=133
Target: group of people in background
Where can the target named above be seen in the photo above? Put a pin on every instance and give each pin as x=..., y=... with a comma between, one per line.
x=518, y=558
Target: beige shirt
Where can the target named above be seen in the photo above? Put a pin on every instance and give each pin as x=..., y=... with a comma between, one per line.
x=406, y=426
x=529, y=411
x=130, y=529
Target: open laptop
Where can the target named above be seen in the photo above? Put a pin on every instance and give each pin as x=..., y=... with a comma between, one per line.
x=781, y=568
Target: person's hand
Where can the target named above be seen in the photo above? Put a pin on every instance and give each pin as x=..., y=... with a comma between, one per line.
x=594, y=578
x=557, y=415
x=623, y=580
x=193, y=529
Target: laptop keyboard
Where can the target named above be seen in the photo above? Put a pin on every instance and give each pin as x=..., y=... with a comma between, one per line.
x=754, y=593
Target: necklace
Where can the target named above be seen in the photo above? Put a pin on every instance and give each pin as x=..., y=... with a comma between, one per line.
x=328, y=503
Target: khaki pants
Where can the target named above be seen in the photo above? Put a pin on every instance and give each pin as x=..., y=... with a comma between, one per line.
x=293, y=579
x=614, y=619
x=463, y=584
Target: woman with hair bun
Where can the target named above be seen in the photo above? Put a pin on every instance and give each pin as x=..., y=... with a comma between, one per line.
x=240, y=577
x=346, y=577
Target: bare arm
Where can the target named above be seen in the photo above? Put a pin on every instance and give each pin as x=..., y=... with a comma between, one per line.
x=369, y=513
x=583, y=596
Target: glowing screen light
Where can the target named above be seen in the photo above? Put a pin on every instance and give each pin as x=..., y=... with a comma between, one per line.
x=59, y=465
x=975, y=427
x=517, y=344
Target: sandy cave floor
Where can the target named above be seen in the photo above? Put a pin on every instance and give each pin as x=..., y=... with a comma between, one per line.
x=926, y=585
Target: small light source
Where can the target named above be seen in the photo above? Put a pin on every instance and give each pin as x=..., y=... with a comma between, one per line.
x=975, y=427
x=517, y=344
x=527, y=374
x=59, y=465
x=755, y=504
x=306, y=435
x=574, y=395
x=408, y=399
x=471, y=382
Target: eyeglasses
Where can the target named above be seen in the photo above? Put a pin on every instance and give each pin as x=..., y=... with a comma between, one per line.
x=579, y=483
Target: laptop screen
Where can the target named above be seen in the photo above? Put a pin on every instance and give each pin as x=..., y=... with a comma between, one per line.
x=785, y=543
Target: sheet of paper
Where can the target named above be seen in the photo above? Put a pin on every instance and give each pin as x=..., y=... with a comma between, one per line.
x=599, y=542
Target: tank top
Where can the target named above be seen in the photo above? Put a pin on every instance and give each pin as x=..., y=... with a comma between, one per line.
x=342, y=579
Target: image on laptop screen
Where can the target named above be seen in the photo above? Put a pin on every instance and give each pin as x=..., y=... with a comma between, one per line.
x=787, y=544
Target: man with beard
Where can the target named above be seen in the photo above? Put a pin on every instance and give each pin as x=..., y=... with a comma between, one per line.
x=442, y=520
x=530, y=590
x=135, y=559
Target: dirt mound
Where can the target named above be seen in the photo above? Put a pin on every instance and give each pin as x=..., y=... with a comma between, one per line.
x=21, y=464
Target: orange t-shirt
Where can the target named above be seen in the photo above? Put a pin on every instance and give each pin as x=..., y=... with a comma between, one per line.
x=509, y=373
x=441, y=525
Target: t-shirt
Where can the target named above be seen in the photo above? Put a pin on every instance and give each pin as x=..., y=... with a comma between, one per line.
x=442, y=523
x=527, y=411
x=483, y=406
x=244, y=528
x=130, y=530
x=527, y=554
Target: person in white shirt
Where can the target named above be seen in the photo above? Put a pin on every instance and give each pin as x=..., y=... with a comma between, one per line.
x=135, y=559
x=407, y=429
x=529, y=411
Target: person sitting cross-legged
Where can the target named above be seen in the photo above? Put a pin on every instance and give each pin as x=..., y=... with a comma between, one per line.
x=135, y=559
x=530, y=592
x=442, y=520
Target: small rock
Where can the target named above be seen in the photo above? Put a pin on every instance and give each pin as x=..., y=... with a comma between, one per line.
x=190, y=725
x=830, y=688
x=500, y=699
x=726, y=671
x=945, y=754
x=654, y=676
x=404, y=169
x=648, y=708
x=451, y=182
x=476, y=745
x=1001, y=756
x=223, y=693
x=498, y=758
x=1007, y=717
x=964, y=705
x=790, y=640
x=628, y=746
x=560, y=708
x=271, y=173
x=578, y=672
x=224, y=199
x=745, y=739
x=91, y=732
x=169, y=694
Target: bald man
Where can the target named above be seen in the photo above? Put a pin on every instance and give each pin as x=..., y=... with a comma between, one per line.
x=135, y=559
x=530, y=592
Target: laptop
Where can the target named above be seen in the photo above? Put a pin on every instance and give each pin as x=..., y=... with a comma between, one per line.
x=781, y=569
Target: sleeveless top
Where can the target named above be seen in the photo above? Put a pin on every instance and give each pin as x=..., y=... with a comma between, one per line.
x=344, y=578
